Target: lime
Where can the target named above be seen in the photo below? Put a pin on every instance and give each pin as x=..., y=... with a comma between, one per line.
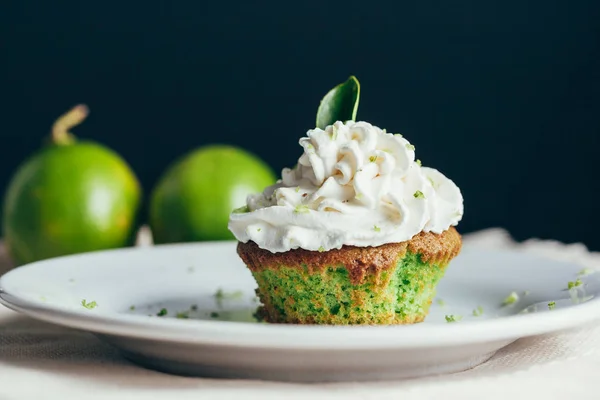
x=70, y=197
x=194, y=198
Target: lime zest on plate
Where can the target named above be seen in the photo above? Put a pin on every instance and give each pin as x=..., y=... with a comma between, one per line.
x=182, y=315
x=586, y=271
x=220, y=294
x=90, y=306
x=453, y=318
x=512, y=298
x=478, y=311
x=162, y=312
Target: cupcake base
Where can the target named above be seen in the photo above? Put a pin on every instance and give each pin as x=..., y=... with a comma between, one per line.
x=389, y=284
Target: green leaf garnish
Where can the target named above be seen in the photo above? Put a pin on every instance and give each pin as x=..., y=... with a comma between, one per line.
x=339, y=104
x=453, y=318
x=510, y=299
x=241, y=210
x=551, y=305
x=419, y=195
x=478, y=311
x=91, y=305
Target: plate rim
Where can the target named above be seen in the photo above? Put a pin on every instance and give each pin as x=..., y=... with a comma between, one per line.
x=277, y=336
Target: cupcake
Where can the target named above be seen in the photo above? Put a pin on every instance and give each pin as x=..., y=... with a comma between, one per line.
x=358, y=232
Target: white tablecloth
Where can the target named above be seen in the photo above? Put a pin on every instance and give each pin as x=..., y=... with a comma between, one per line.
x=43, y=361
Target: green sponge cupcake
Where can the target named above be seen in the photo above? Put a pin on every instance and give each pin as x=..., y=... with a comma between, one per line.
x=358, y=232
x=389, y=284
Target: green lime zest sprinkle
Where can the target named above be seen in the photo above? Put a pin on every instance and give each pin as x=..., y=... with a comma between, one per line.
x=441, y=302
x=162, y=312
x=90, y=306
x=321, y=249
x=182, y=315
x=478, y=311
x=419, y=195
x=214, y=314
x=585, y=271
x=297, y=189
x=222, y=295
x=418, y=162
x=510, y=299
x=575, y=284
x=376, y=228
x=410, y=146
x=453, y=318
x=398, y=135
x=241, y=210
x=310, y=147
x=551, y=305
x=258, y=229
x=301, y=209
x=384, y=130
x=132, y=307
x=358, y=196
x=373, y=158
x=334, y=132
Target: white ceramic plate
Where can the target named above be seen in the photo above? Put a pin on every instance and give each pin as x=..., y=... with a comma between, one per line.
x=221, y=339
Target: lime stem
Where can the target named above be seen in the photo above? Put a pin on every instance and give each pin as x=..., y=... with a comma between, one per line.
x=73, y=117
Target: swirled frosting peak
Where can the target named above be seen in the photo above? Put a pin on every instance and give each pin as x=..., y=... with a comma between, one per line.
x=355, y=184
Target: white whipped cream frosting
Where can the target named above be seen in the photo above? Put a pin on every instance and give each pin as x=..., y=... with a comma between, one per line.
x=354, y=185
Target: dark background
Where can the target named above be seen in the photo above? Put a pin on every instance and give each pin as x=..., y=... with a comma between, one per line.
x=503, y=97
